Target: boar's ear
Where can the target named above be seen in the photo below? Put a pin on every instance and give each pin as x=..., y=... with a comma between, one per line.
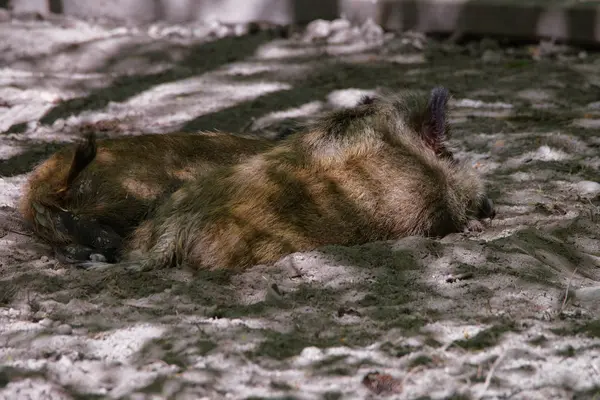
x=434, y=128
x=85, y=152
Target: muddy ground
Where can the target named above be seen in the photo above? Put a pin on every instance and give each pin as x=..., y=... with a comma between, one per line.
x=464, y=317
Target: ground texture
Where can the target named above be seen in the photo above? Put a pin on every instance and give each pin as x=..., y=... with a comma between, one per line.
x=512, y=312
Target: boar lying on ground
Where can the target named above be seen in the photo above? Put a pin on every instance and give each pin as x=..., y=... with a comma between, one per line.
x=377, y=171
x=85, y=199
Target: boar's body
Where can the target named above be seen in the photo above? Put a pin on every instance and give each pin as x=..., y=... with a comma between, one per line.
x=378, y=171
x=95, y=193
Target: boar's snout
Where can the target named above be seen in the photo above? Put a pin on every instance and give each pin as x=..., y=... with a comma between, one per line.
x=486, y=209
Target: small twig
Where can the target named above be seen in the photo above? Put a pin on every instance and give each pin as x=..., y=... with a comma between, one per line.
x=459, y=277
x=567, y=290
x=490, y=374
x=18, y=232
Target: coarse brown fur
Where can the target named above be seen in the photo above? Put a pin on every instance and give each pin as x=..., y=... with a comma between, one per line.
x=97, y=192
x=377, y=171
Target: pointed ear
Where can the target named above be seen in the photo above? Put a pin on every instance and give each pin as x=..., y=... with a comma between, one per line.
x=434, y=130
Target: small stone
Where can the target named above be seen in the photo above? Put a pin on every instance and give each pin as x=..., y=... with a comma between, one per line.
x=59, y=124
x=339, y=24
x=311, y=354
x=240, y=29
x=97, y=257
x=491, y=57
x=46, y=322
x=413, y=342
x=64, y=329
x=44, y=259
x=454, y=369
x=39, y=315
x=33, y=125
x=588, y=188
x=371, y=31
x=318, y=29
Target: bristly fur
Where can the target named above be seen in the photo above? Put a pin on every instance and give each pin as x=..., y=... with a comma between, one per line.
x=96, y=192
x=372, y=172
